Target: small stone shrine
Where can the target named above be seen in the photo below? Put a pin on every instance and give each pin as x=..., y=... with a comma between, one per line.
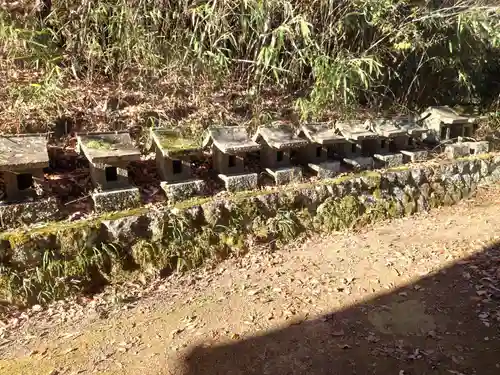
x=230, y=145
x=280, y=144
x=443, y=124
x=363, y=143
x=324, y=145
x=392, y=139
x=22, y=160
x=411, y=148
x=173, y=160
x=109, y=155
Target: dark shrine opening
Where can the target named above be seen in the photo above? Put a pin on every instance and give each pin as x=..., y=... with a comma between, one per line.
x=279, y=156
x=319, y=151
x=232, y=161
x=176, y=166
x=111, y=174
x=443, y=132
x=24, y=181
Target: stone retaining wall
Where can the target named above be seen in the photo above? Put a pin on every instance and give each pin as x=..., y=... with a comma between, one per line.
x=182, y=237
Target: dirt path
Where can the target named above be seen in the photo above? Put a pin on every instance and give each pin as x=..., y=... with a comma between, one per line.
x=412, y=296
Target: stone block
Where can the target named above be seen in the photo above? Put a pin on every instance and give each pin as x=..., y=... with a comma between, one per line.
x=360, y=162
x=183, y=190
x=326, y=169
x=14, y=214
x=414, y=156
x=240, y=182
x=285, y=175
x=389, y=160
x=116, y=200
x=477, y=148
x=127, y=229
x=456, y=150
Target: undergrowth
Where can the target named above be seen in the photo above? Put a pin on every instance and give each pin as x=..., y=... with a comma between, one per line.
x=323, y=54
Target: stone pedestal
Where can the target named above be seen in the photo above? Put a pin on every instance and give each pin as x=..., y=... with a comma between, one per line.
x=240, y=182
x=117, y=200
x=360, y=163
x=179, y=191
x=389, y=160
x=462, y=149
x=327, y=169
x=283, y=176
x=14, y=214
x=414, y=156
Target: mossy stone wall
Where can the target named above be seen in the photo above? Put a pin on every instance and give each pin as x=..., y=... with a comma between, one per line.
x=86, y=253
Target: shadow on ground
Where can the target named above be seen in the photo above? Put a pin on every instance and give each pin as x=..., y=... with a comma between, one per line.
x=445, y=323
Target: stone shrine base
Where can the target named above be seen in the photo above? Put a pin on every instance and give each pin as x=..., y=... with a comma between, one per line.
x=12, y=214
x=240, y=182
x=179, y=191
x=360, y=163
x=414, y=156
x=461, y=149
x=327, y=169
x=285, y=175
x=117, y=200
x=389, y=160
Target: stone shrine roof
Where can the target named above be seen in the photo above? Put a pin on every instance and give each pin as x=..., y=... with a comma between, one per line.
x=24, y=151
x=386, y=127
x=447, y=116
x=280, y=136
x=321, y=133
x=171, y=142
x=409, y=124
x=230, y=140
x=108, y=147
x=356, y=130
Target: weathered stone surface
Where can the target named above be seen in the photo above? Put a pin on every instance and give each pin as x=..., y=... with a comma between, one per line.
x=279, y=137
x=116, y=200
x=386, y=128
x=171, y=143
x=28, y=252
x=183, y=190
x=230, y=139
x=15, y=214
x=106, y=148
x=23, y=152
x=321, y=133
x=127, y=229
x=389, y=160
x=477, y=148
x=456, y=150
x=360, y=163
x=327, y=169
x=240, y=182
x=356, y=130
x=285, y=175
x=414, y=156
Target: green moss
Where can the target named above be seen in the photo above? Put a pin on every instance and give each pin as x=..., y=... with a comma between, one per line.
x=487, y=156
x=99, y=144
x=175, y=143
